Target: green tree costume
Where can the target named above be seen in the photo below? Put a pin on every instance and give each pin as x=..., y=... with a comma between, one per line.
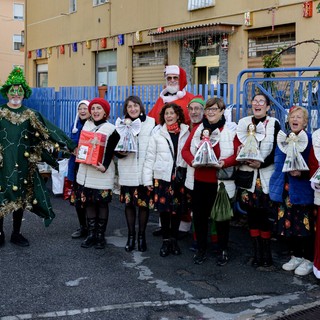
x=25, y=139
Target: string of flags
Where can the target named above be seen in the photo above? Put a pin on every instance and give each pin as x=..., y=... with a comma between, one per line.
x=74, y=47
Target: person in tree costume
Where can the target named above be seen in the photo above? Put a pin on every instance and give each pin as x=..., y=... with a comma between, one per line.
x=25, y=138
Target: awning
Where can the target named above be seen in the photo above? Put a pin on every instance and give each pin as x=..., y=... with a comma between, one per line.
x=194, y=31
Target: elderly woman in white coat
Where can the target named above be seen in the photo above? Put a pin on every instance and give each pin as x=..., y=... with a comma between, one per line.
x=163, y=172
x=132, y=193
x=96, y=181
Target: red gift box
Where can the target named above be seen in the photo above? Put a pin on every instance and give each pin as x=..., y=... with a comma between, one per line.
x=91, y=147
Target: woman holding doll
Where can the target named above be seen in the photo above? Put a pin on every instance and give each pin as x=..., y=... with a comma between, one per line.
x=135, y=132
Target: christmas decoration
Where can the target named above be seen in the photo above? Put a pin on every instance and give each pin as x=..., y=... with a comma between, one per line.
x=307, y=9
x=16, y=77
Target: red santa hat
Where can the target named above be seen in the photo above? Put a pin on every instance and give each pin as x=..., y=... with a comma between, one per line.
x=173, y=69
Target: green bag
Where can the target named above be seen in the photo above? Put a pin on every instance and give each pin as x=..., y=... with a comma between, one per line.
x=222, y=210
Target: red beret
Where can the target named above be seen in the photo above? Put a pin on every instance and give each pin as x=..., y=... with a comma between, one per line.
x=103, y=103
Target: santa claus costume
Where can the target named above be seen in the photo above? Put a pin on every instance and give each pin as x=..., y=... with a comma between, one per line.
x=181, y=97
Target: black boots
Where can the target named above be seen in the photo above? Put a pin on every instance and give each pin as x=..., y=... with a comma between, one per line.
x=165, y=248
x=142, y=244
x=175, y=249
x=100, y=239
x=131, y=242
x=19, y=240
x=91, y=238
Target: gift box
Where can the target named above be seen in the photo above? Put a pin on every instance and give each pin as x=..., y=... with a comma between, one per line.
x=91, y=147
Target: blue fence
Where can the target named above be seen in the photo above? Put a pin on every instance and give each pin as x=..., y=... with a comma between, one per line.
x=60, y=107
x=288, y=87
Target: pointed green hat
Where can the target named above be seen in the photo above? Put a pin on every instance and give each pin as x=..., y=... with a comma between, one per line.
x=16, y=77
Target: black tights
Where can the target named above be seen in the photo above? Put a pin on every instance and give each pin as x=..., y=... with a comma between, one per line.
x=98, y=211
x=170, y=225
x=143, y=217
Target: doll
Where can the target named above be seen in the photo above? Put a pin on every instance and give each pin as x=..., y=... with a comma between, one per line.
x=127, y=130
x=205, y=155
x=292, y=145
x=250, y=138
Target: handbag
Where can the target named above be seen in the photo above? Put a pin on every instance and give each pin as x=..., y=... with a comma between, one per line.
x=226, y=173
x=221, y=210
x=244, y=179
x=181, y=174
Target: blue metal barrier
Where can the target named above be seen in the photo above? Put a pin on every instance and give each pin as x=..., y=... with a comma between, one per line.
x=299, y=87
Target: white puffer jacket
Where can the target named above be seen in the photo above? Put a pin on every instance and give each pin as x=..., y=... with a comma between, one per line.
x=130, y=167
x=265, y=147
x=159, y=162
x=87, y=175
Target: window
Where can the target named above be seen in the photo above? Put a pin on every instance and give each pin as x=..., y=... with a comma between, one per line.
x=98, y=2
x=18, y=10
x=42, y=75
x=106, y=68
x=72, y=6
x=200, y=4
x=263, y=43
x=17, y=41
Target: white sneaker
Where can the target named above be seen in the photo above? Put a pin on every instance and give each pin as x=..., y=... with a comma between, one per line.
x=292, y=264
x=304, y=268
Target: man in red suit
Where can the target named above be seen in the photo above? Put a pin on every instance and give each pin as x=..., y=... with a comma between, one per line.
x=176, y=81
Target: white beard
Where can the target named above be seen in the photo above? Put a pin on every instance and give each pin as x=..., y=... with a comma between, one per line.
x=173, y=89
x=15, y=101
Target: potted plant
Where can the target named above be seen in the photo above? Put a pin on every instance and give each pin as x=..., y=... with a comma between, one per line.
x=102, y=90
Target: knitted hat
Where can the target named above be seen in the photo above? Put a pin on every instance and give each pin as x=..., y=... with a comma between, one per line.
x=103, y=103
x=198, y=100
x=173, y=69
x=75, y=129
x=16, y=77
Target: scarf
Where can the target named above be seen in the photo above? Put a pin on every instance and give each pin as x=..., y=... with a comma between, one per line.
x=175, y=128
x=213, y=126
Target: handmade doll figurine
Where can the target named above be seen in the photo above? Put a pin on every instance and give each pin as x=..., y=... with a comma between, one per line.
x=292, y=145
x=250, y=138
x=205, y=155
x=127, y=130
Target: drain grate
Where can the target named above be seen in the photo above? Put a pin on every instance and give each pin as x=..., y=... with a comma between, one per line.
x=308, y=314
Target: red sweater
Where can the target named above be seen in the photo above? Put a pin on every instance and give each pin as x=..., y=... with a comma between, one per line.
x=209, y=174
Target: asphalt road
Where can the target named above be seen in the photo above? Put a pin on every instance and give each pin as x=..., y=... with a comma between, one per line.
x=55, y=278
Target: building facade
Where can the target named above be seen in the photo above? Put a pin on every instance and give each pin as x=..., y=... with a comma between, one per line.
x=11, y=26
x=128, y=42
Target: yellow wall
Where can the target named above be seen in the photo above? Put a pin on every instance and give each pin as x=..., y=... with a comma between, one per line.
x=46, y=27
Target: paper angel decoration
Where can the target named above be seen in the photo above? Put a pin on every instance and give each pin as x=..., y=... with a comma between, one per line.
x=250, y=137
x=292, y=145
x=205, y=155
x=127, y=130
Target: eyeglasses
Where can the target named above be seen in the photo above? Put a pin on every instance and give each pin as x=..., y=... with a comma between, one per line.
x=174, y=78
x=213, y=109
x=260, y=102
x=13, y=92
x=195, y=109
